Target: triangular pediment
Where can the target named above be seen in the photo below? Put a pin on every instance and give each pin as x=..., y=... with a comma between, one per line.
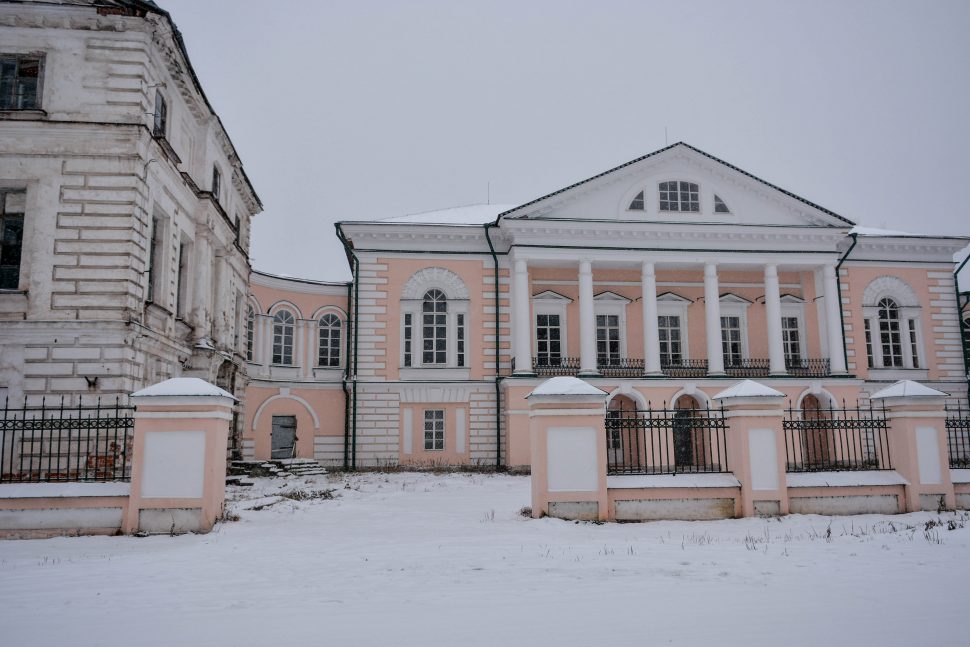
x=611, y=296
x=678, y=185
x=670, y=297
x=549, y=295
x=730, y=297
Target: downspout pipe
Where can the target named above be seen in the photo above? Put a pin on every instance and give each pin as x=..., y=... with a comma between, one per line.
x=963, y=326
x=343, y=382
x=352, y=363
x=498, y=376
x=838, y=285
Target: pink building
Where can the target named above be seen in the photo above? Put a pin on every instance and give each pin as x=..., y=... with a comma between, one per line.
x=662, y=281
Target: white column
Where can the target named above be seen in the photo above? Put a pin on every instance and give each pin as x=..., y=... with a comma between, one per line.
x=776, y=346
x=833, y=312
x=651, y=335
x=712, y=315
x=587, y=321
x=521, y=318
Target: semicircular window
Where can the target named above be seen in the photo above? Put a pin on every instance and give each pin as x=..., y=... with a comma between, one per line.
x=719, y=205
x=637, y=203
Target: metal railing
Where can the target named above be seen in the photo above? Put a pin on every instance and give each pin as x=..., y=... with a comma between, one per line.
x=666, y=441
x=546, y=366
x=958, y=436
x=65, y=443
x=847, y=438
x=684, y=368
x=620, y=367
x=747, y=367
x=808, y=367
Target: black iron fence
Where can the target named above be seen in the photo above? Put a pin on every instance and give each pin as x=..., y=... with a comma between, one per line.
x=958, y=436
x=666, y=441
x=835, y=439
x=65, y=443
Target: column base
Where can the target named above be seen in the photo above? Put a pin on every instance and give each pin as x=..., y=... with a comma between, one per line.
x=588, y=373
x=654, y=374
x=716, y=374
x=523, y=374
x=778, y=374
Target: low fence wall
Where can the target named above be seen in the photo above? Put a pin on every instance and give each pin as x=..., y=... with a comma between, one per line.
x=891, y=458
x=167, y=474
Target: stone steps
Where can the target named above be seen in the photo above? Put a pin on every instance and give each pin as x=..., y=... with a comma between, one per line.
x=280, y=468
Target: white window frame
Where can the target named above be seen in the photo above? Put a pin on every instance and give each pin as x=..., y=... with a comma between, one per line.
x=731, y=305
x=673, y=305
x=341, y=331
x=792, y=306
x=424, y=430
x=551, y=303
x=456, y=306
x=660, y=200
x=611, y=303
x=906, y=313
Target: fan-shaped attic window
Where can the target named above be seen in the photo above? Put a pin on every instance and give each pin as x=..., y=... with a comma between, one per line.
x=679, y=196
x=637, y=203
x=719, y=205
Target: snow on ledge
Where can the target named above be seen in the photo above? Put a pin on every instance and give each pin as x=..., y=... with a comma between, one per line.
x=182, y=386
x=906, y=388
x=62, y=490
x=961, y=475
x=634, y=481
x=749, y=389
x=845, y=479
x=566, y=385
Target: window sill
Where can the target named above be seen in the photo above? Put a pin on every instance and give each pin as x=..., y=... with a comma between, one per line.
x=33, y=114
x=328, y=372
x=896, y=374
x=167, y=149
x=435, y=373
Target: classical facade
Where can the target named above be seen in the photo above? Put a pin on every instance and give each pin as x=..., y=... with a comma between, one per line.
x=124, y=207
x=662, y=282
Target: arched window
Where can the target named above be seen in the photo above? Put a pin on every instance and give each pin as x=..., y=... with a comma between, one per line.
x=328, y=354
x=817, y=436
x=250, y=332
x=891, y=324
x=434, y=328
x=890, y=337
x=283, y=324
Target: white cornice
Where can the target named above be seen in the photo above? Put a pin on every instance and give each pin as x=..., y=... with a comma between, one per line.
x=303, y=286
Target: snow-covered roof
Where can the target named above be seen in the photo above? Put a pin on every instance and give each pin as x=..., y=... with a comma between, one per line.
x=565, y=385
x=470, y=214
x=749, y=389
x=182, y=386
x=906, y=388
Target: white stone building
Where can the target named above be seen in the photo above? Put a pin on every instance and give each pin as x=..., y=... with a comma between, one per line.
x=125, y=207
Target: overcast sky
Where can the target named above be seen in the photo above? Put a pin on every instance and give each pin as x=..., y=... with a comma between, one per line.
x=364, y=110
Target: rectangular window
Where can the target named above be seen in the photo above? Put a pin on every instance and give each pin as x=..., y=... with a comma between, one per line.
x=20, y=82
x=160, y=125
x=460, y=339
x=868, y=328
x=153, y=260
x=731, y=340
x=607, y=339
x=182, y=285
x=891, y=342
x=250, y=333
x=435, y=335
x=216, y=183
x=679, y=196
x=238, y=225
x=548, y=340
x=407, y=339
x=912, y=342
x=12, y=207
x=671, y=348
x=791, y=340
x=434, y=429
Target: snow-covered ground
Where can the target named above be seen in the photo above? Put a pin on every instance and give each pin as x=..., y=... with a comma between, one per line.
x=422, y=559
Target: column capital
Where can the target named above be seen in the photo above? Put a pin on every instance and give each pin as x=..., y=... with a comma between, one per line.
x=648, y=268
x=710, y=269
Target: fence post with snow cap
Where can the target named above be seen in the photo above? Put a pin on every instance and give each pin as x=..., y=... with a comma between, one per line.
x=918, y=443
x=179, y=456
x=756, y=446
x=567, y=429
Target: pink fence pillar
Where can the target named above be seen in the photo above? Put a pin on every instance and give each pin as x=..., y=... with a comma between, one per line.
x=756, y=446
x=567, y=428
x=178, y=472
x=918, y=443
